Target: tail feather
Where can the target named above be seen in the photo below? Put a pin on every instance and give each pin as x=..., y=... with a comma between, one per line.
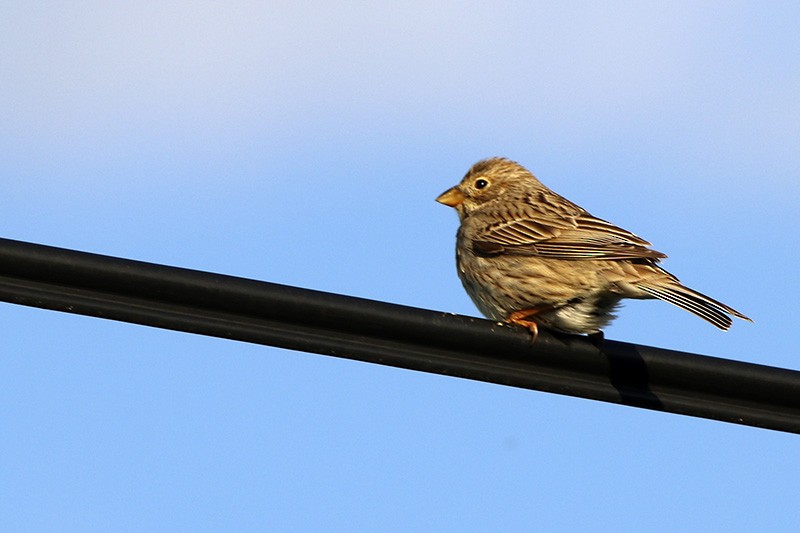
x=699, y=304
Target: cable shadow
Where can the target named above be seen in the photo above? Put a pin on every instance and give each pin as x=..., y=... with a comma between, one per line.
x=628, y=374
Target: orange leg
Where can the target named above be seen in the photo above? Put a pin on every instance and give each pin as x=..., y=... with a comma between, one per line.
x=522, y=318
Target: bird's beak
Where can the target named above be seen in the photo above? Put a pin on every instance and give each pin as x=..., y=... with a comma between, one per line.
x=451, y=197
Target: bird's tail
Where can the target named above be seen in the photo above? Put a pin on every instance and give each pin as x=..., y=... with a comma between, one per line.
x=699, y=304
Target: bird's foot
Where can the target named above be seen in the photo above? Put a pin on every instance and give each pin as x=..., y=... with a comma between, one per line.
x=596, y=338
x=523, y=318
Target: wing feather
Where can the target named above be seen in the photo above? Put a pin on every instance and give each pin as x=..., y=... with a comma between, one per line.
x=554, y=227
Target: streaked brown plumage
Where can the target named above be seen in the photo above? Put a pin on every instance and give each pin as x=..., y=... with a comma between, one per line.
x=529, y=256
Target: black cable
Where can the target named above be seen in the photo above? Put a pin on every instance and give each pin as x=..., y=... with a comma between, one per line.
x=389, y=334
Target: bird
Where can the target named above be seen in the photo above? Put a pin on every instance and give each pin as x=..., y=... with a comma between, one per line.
x=528, y=256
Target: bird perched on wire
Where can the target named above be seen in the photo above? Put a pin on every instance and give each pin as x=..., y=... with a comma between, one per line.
x=529, y=256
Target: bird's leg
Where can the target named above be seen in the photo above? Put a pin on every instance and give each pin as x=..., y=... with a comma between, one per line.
x=597, y=338
x=522, y=318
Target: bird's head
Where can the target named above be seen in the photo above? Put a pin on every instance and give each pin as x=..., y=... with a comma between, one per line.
x=487, y=182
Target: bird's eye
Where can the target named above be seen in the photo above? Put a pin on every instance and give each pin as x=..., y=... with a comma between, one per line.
x=481, y=183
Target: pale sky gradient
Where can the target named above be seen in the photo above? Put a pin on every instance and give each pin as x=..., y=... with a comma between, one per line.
x=304, y=144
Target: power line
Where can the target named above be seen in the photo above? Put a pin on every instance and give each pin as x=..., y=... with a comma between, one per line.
x=389, y=334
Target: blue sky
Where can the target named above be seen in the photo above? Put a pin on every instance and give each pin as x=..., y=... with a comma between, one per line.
x=305, y=144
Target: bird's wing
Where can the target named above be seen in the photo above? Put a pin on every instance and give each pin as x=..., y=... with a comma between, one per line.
x=560, y=230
